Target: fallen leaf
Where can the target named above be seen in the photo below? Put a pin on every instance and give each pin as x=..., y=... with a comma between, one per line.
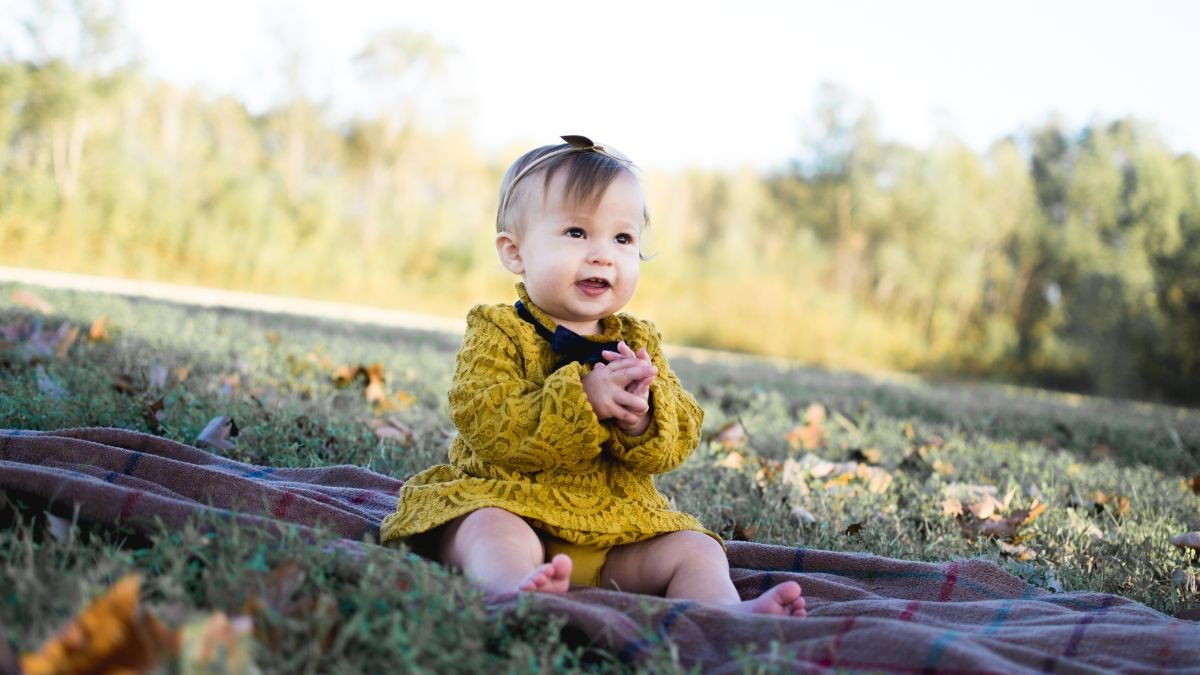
x=803, y=516
x=125, y=383
x=868, y=456
x=375, y=391
x=814, y=415
x=746, y=533
x=1118, y=504
x=1196, y=484
x=218, y=644
x=393, y=428
x=113, y=634
x=935, y=441
x=66, y=341
x=1019, y=551
x=182, y=373
x=397, y=402
x=218, y=434
x=229, y=384
x=1103, y=451
x=734, y=460
x=952, y=507
x=768, y=472
x=155, y=413
x=732, y=435
x=985, y=507
x=1186, y=540
x=273, y=338
x=807, y=437
x=854, y=529
x=31, y=301
x=99, y=332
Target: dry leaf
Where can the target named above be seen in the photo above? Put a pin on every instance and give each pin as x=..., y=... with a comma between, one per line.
x=182, y=373
x=807, y=437
x=1186, y=540
x=273, y=338
x=734, y=460
x=218, y=434
x=113, y=634
x=803, y=517
x=218, y=644
x=229, y=384
x=1195, y=485
x=31, y=301
x=397, y=402
x=392, y=428
x=1184, y=580
x=854, y=529
x=952, y=507
x=815, y=414
x=344, y=375
x=66, y=341
x=125, y=384
x=985, y=507
x=1103, y=451
x=732, y=435
x=1019, y=551
x=935, y=441
x=99, y=332
x=155, y=413
x=1118, y=504
x=746, y=533
x=375, y=391
x=868, y=456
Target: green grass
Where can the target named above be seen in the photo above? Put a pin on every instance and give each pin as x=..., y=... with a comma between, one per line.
x=273, y=375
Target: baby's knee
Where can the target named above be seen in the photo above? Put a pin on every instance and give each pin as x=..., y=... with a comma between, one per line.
x=692, y=545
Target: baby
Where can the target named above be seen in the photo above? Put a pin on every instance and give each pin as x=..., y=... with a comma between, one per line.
x=566, y=409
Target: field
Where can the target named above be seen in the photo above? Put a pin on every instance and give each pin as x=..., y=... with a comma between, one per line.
x=1068, y=492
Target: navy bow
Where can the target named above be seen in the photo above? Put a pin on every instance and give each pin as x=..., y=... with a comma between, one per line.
x=569, y=345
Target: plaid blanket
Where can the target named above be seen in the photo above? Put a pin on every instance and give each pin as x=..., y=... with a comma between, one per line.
x=866, y=613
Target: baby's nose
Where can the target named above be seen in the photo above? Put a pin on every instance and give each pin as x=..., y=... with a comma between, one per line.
x=600, y=254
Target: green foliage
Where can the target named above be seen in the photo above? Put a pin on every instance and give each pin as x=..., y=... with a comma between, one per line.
x=1057, y=257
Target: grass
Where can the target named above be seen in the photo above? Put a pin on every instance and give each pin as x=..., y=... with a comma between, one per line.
x=1115, y=478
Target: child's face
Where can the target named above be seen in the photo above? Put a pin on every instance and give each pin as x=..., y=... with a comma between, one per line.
x=579, y=265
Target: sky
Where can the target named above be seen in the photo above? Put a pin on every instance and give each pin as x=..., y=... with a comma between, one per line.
x=714, y=84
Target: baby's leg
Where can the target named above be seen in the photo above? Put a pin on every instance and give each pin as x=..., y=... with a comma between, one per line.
x=691, y=565
x=500, y=553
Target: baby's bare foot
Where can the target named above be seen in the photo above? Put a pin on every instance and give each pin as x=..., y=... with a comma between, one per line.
x=553, y=577
x=784, y=599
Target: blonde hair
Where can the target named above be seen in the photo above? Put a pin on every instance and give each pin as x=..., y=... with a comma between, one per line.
x=590, y=170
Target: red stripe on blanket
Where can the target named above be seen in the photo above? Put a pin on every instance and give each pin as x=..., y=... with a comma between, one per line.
x=909, y=610
x=951, y=579
x=837, y=642
x=285, y=501
x=128, y=504
x=1164, y=654
x=361, y=497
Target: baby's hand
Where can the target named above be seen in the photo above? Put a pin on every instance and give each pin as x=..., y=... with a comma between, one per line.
x=606, y=389
x=639, y=387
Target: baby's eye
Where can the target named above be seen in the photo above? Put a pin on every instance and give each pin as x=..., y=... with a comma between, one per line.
x=624, y=238
x=576, y=232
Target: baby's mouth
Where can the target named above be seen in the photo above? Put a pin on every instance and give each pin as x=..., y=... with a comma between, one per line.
x=593, y=285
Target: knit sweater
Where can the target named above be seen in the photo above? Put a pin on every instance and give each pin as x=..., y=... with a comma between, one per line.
x=529, y=442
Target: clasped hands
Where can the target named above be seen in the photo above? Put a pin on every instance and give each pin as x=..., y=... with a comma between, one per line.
x=619, y=388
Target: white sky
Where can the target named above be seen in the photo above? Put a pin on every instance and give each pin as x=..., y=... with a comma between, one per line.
x=717, y=84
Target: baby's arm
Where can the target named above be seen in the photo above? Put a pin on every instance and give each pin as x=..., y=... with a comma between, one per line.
x=513, y=422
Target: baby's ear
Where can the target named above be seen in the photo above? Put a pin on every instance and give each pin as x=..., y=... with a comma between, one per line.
x=509, y=249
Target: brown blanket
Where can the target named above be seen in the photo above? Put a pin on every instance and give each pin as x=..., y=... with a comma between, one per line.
x=865, y=613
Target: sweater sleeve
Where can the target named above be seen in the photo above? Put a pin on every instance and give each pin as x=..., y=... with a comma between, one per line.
x=513, y=422
x=675, y=424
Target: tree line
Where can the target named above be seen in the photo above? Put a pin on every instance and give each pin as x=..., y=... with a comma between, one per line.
x=1059, y=257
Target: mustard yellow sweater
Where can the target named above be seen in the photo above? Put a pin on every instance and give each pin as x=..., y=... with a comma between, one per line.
x=530, y=443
